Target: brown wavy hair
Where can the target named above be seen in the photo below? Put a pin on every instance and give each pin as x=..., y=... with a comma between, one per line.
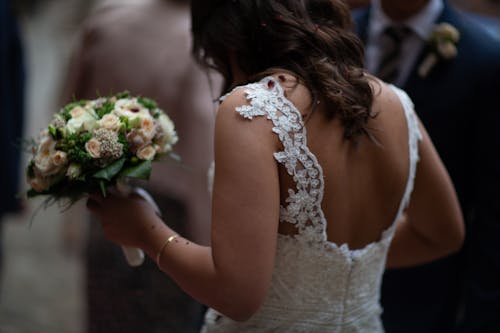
x=310, y=38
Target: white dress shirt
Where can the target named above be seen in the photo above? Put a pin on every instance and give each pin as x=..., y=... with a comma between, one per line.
x=421, y=25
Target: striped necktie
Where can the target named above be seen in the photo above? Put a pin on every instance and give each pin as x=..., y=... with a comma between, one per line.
x=390, y=63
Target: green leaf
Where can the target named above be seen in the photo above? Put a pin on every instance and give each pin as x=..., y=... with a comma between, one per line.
x=133, y=123
x=123, y=94
x=124, y=121
x=141, y=171
x=110, y=171
x=106, y=108
x=53, y=132
x=147, y=103
x=73, y=105
x=102, y=186
x=122, y=138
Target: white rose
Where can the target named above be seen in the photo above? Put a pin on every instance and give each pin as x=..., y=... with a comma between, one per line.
x=110, y=121
x=130, y=108
x=74, y=170
x=168, y=135
x=166, y=124
x=84, y=120
x=93, y=147
x=146, y=153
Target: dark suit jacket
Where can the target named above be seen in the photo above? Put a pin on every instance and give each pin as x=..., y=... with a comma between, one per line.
x=11, y=110
x=458, y=102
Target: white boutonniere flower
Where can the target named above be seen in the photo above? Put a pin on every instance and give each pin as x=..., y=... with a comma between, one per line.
x=442, y=44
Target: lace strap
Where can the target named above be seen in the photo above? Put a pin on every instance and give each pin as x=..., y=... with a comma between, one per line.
x=303, y=204
x=414, y=136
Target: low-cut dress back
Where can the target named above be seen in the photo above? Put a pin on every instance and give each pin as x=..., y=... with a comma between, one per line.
x=317, y=285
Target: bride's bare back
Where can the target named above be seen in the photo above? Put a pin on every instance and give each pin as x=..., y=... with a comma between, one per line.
x=364, y=180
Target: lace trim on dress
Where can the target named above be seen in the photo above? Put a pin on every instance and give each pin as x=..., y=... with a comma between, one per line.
x=414, y=136
x=303, y=204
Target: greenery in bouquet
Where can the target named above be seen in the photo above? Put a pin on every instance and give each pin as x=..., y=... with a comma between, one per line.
x=91, y=144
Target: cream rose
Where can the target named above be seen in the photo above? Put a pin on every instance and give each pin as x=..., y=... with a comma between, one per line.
x=77, y=112
x=83, y=120
x=146, y=153
x=110, y=121
x=43, y=157
x=148, y=127
x=59, y=158
x=137, y=140
x=93, y=147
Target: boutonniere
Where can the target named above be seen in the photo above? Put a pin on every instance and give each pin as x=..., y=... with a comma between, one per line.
x=442, y=45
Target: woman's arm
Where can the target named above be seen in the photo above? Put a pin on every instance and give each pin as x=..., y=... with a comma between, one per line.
x=433, y=225
x=234, y=275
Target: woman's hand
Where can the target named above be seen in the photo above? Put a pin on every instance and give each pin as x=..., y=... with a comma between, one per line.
x=126, y=220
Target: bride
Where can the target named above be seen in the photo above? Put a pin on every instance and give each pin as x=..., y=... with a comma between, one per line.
x=315, y=164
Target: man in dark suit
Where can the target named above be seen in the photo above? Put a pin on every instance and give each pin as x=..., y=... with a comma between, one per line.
x=458, y=101
x=12, y=102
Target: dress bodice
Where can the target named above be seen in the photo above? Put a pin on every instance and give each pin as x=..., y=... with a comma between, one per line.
x=317, y=285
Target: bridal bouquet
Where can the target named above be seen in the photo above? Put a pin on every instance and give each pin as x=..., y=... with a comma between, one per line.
x=93, y=144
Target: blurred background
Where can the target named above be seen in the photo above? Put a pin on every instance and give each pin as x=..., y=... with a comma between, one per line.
x=42, y=283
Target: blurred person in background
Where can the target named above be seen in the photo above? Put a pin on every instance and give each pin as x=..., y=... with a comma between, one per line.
x=457, y=100
x=12, y=97
x=144, y=47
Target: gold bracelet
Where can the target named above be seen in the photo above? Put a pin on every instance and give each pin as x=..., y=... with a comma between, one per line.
x=162, y=248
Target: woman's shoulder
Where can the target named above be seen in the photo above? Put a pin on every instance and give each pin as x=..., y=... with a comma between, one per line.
x=234, y=99
x=236, y=108
x=253, y=99
x=239, y=96
x=248, y=101
x=388, y=97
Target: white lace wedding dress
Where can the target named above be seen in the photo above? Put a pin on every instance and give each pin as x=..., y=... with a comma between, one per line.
x=317, y=286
